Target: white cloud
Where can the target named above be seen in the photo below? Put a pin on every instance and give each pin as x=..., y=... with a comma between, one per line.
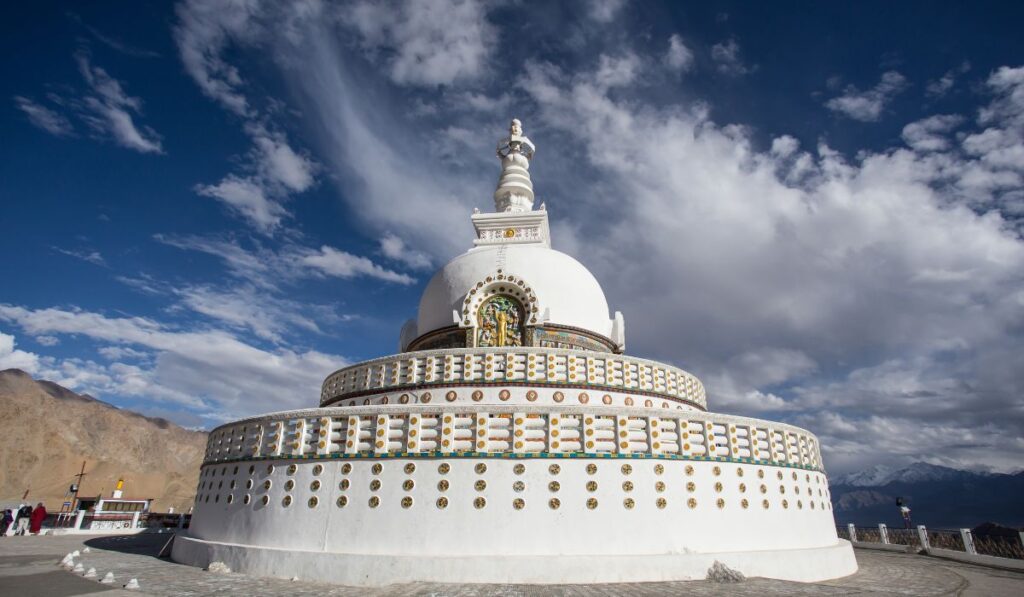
x=111, y=110
x=393, y=247
x=332, y=262
x=245, y=308
x=605, y=11
x=204, y=29
x=209, y=372
x=274, y=169
x=829, y=266
x=784, y=146
x=47, y=340
x=867, y=106
x=678, y=57
x=267, y=269
x=121, y=353
x=44, y=118
x=929, y=133
x=280, y=164
x=770, y=274
x=12, y=358
x=944, y=84
x=249, y=198
x=427, y=43
x=617, y=71
x=726, y=56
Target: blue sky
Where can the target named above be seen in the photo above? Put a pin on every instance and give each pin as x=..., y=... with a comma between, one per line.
x=815, y=208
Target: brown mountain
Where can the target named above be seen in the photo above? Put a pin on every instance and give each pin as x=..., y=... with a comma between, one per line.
x=46, y=431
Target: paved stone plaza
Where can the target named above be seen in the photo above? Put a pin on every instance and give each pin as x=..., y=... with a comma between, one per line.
x=28, y=566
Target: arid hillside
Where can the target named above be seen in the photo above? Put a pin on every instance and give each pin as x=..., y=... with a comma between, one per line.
x=46, y=431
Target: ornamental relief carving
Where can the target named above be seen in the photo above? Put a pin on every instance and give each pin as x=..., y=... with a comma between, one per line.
x=500, y=322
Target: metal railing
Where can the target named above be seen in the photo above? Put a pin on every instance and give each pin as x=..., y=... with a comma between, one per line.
x=924, y=539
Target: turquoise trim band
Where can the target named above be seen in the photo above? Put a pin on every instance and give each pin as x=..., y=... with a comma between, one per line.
x=515, y=456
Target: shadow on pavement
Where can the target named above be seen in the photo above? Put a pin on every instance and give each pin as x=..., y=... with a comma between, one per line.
x=146, y=544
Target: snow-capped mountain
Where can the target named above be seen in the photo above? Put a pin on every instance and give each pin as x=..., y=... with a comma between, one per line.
x=938, y=496
x=917, y=472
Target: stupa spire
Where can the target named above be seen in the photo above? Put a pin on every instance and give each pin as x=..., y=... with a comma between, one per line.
x=515, y=190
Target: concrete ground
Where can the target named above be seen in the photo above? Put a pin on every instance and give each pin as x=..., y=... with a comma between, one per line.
x=28, y=566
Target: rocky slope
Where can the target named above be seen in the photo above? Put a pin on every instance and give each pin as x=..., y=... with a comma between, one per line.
x=46, y=431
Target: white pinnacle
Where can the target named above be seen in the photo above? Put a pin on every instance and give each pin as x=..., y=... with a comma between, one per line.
x=515, y=190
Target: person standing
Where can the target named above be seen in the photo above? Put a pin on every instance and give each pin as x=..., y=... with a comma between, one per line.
x=21, y=525
x=904, y=512
x=5, y=522
x=37, y=518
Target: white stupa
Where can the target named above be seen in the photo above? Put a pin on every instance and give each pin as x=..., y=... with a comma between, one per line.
x=511, y=440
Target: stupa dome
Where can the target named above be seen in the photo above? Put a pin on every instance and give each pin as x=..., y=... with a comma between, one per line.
x=567, y=294
x=512, y=288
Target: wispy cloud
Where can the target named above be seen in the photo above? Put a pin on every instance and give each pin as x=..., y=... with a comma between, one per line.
x=112, y=42
x=728, y=59
x=435, y=43
x=273, y=170
x=90, y=256
x=49, y=120
x=605, y=11
x=111, y=112
x=944, y=84
x=268, y=268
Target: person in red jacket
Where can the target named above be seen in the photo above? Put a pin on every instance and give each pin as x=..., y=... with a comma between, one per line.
x=37, y=518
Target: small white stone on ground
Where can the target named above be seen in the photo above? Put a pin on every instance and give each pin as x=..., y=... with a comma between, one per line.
x=90, y=573
x=132, y=584
x=78, y=569
x=295, y=578
x=719, y=572
x=108, y=578
x=219, y=568
x=75, y=554
x=86, y=550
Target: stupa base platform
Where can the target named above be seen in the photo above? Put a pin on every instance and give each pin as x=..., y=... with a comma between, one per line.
x=802, y=565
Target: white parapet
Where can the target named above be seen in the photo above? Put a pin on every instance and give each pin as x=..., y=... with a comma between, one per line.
x=513, y=493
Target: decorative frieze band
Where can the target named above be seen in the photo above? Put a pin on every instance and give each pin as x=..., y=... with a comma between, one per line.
x=514, y=430
x=527, y=365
